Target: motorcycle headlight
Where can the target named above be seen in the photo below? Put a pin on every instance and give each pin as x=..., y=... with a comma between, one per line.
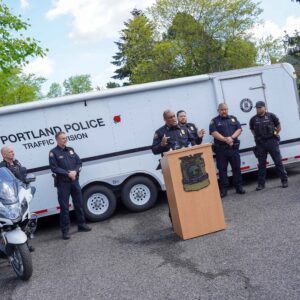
x=12, y=212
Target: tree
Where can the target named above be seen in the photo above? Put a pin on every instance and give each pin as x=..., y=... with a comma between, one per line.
x=55, y=90
x=195, y=37
x=135, y=45
x=270, y=50
x=77, y=84
x=112, y=85
x=292, y=48
x=16, y=87
x=221, y=19
x=15, y=48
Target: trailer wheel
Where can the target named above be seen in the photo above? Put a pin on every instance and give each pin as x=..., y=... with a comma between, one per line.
x=99, y=203
x=139, y=193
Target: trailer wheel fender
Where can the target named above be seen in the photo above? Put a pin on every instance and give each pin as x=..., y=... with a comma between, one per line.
x=99, y=203
x=139, y=193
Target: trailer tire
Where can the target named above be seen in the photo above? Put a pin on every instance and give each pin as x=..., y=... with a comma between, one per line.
x=139, y=193
x=99, y=203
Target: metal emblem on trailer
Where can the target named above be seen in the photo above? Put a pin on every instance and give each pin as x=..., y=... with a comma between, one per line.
x=194, y=175
x=246, y=105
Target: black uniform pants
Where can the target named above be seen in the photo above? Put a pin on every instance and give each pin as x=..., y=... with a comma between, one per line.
x=225, y=155
x=64, y=190
x=269, y=146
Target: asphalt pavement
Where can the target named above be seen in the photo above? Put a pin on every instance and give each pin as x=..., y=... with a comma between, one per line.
x=137, y=255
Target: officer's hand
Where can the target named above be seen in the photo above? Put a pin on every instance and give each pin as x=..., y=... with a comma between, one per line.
x=201, y=133
x=164, y=140
x=229, y=140
x=72, y=175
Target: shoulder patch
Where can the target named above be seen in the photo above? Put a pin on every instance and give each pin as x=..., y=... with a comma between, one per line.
x=155, y=136
x=51, y=154
x=211, y=122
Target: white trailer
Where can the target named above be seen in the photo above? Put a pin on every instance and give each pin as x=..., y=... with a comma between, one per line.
x=112, y=132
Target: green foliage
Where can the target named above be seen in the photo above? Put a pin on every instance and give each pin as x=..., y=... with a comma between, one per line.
x=55, y=90
x=16, y=87
x=135, y=45
x=221, y=19
x=292, y=47
x=15, y=48
x=190, y=37
x=270, y=50
x=164, y=64
x=112, y=85
x=77, y=84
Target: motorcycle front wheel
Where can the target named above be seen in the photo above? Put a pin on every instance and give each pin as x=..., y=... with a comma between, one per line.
x=21, y=261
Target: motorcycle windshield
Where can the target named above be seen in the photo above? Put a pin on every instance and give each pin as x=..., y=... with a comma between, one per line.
x=8, y=187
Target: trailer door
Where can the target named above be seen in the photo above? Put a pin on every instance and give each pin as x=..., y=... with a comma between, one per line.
x=241, y=94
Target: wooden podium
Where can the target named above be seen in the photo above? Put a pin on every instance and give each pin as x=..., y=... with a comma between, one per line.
x=193, y=192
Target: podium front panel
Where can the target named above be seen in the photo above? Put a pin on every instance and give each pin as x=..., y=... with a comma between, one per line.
x=193, y=192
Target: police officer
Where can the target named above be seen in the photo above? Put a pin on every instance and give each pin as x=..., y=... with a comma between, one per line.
x=194, y=132
x=16, y=168
x=226, y=129
x=66, y=164
x=12, y=164
x=265, y=127
x=171, y=136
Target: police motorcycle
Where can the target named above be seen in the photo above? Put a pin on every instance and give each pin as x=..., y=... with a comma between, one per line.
x=16, y=222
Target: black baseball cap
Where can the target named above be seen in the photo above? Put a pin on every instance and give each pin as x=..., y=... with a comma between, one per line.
x=260, y=104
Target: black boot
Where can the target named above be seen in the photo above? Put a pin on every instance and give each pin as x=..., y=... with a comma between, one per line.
x=285, y=184
x=240, y=191
x=223, y=193
x=84, y=228
x=260, y=187
x=66, y=235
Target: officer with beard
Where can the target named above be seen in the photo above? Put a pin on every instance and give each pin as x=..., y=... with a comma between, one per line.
x=226, y=129
x=265, y=127
x=193, y=130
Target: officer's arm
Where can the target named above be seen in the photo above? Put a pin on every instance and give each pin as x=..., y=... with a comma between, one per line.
x=218, y=136
x=237, y=133
x=23, y=171
x=213, y=131
x=251, y=126
x=276, y=122
x=54, y=165
x=78, y=164
x=192, y=139
x=198, y=140
x=156, y=147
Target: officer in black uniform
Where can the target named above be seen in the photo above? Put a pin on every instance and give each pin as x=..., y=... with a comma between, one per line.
x=196, y=134
x=265, y=127
x=16, y=168
x=12, y=164
x=171, y=136
x=66, y=164
x=226, y=129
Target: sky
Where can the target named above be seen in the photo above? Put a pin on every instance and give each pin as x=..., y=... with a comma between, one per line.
x=80, y=34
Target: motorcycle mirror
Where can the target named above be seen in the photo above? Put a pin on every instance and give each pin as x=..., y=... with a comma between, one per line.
x=30, y=178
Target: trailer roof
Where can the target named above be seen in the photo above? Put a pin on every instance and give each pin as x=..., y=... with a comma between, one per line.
x=133, y=89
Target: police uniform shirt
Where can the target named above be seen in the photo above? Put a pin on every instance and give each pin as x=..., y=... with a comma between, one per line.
x=193, y=132
x=16, y=168
x=259, y=124
x=63, y=160
x=226, y=126
x=178, y=137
